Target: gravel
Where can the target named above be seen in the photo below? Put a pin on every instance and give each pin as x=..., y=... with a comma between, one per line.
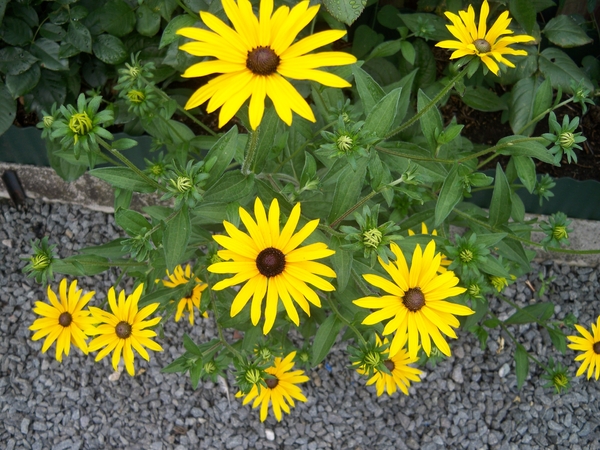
x=469, y=401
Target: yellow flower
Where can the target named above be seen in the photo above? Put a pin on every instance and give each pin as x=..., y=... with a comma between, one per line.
x=124, y=329
x=255, y=55
x=280, y=390
x=445, y=262
x=481, y=42
x=271, y=263
x=64, y=322
x=589, y=344
x=191, y=299
x=402, y=373
x=415, y=304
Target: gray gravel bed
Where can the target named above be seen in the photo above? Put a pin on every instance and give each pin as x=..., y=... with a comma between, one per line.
x=468, y=401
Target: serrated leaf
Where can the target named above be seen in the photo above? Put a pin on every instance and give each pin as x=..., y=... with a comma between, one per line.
x=175, y=24
x=347, y=188
x=8, y=109
x=346, y=11
x=450, y=194
x=47, y=52
x=176, y=237
x=369, y=91
x=325, y=338
x=565, y=32
x=109, y=49
x=500, y=204
x=521, y=365
x=122, y=177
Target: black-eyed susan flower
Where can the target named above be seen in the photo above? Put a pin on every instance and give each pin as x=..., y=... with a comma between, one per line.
x=479, y=41
x=589, y=344
x=124, y=329
x=445, y=262
x=281, y=389
x=400, y=376
x=271, y=262
x=415, y=304
x=255, y=55
x=63, y=321
x=192, y=298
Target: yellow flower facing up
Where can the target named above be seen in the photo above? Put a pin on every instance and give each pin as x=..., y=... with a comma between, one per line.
x=589, y=344
x=402, y=373
x=63, y=321
x=255, y=55
x=415, y=304
x=192, y=298
x=280, y=390
x=445, y=262
x=479, y=41
x=124, y=329
x=271, y=262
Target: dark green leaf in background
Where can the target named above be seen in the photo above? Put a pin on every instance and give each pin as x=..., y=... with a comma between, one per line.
x=325, y=338
x=79, y=37
x=450, y=194
x=431, y=121
x=500, y=204
x=148, y=21
x=50, y=89
x=483, y=99
x=524, y=13
x=117, y=18
x=379, y=121
x=14, y=61
x=178, y=22
x=8, y=109
x=224, y=150
x=47, y=52
x=15, y=31
x=560, y=68
x=52, y=32
x=565, y=32
x=109, y=49
x=369, y=91
x=346, y=11
x=347, y=188
x=23, y=83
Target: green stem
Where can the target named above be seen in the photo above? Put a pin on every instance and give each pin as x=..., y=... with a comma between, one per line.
x=129, y=164
x=430, y=105
x=541, y=115
x=251, y=153
x=523, y=240
x=346, y=321
x=187, y=10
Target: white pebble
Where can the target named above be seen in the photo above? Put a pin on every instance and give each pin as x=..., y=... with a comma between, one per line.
x=269, y=434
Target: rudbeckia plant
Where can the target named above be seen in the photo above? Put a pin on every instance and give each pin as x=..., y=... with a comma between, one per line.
x=307, y=189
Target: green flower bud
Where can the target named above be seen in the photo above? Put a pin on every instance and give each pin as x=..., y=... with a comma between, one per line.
x=80, y=123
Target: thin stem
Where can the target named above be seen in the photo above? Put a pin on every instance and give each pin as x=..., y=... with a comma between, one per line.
x=430, y=105
x=251, y=153
x=541, y=115
x=346, y=321
x=187, y=10
x=129, y=164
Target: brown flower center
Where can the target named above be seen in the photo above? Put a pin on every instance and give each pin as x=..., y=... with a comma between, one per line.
x=262, y=61
x=65, y=319
x=389, y=364
x=270, y=262
x=123, y=330
x=596, y=348
x=482, y=45
x=414, y=299
x=272, y=382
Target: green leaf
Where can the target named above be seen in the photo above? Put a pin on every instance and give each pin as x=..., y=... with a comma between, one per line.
x=110, y=250
x=558, y=339
x=231, y=187
x=122, y=177
x=388, y=17
x=346, y=11
x=267, y=132
x=381, y=118
x=518, y=146
x=3, y=4
x=132, y=222
x=342, y=263
x=81, y=265
x=15, y=61
x=483, y=99
x=52, y=32
x=500, y=204
x=15, y=32
x=50, y=89
x=163, y=296
x=542, y=100
x=347, y=188
x=79, y=37
x=109, y=49
x=514, y=251
x=369, y=91
x=175, y=24
x=521, y=365
x=531, y=313
x=526, y=171
x=148, y=21
x=524, y=12
x=224, y=150
x=556, y=65
x=481, y=334
x=47, y=52
x=431, y=121
x=387, y=48
x=490, y=239
x=124, y=144
x=450, y=194
x=408, y=51
x=21, y=84
x=8, y=109
x=117, y=18
x=325, y=338
x=364, y=40
x=520, y=103
x=565, y=32
x=176, y=237
x=415, y=22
